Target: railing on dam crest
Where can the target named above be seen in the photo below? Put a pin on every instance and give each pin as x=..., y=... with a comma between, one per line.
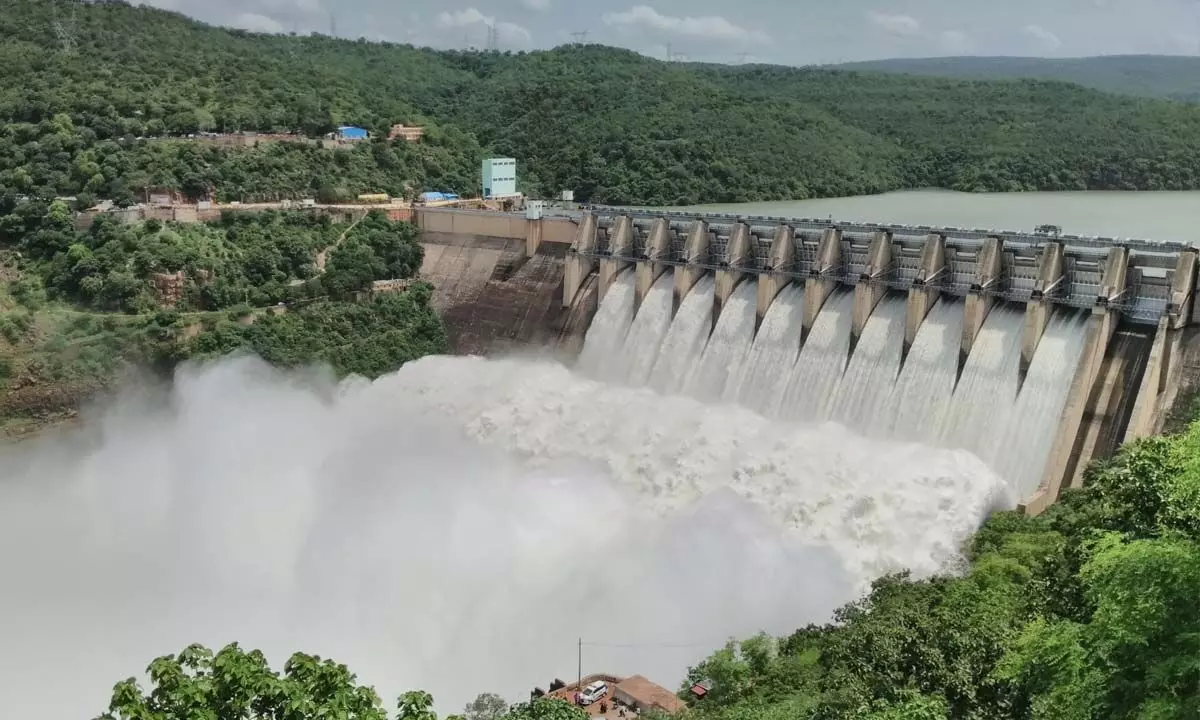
x=854, y=255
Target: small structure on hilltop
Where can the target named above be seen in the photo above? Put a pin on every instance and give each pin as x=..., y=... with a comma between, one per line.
x=630, y=697
x=350, y=133
x=162, y=196
x=408, y=133
x=642, y=695
x=499, y=178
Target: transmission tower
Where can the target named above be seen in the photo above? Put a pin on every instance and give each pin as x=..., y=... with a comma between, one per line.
x=742, y=58
x=493, y=38
x=64, y=23
x=581, y=36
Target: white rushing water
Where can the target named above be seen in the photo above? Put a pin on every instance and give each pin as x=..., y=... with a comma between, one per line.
x=600, y=357
x=686, y=338
x=1035, y=416
x=727, y=346
x=818, y=371
x=869, y=390
x=866, y=387
x=765, y=373
x=453, y=527
x=926, y=383
x=983, y=400
x=645, y=337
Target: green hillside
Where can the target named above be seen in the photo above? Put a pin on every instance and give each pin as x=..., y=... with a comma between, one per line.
x=1157, y=76
x=612, y=125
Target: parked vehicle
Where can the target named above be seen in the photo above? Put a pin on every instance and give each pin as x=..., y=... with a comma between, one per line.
x=593, y=692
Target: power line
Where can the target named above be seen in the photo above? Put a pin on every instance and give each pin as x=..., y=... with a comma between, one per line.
x=645, y=646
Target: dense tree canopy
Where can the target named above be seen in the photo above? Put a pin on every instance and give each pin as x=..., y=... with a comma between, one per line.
x=78, y=307
x=1176, y=77
x=255, y=259
x=233, y=684
x=612, y=125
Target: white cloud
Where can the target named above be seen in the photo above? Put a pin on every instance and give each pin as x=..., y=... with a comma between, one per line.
x=462, y=18
x=506, y=32
x=1046, y=39
x=894, y=24
x=289, y=8
x=513, y=34
x=537, y=5
x=709, y=27
x=257, y=23
x=954, y=41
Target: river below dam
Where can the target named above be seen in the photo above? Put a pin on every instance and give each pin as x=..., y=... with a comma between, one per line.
x=1173, y=216
x=457, y=526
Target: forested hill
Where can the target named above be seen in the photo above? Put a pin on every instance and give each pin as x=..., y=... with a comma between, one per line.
x=1173, y=77
x=612, y=125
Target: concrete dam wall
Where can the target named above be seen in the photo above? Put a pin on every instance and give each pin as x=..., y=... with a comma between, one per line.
x=498, y=279
x=1034, y=352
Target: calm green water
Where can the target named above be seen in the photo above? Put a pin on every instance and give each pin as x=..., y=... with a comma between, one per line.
x=1146, y=215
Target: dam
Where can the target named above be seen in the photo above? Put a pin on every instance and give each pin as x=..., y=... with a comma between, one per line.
x=1035, y=352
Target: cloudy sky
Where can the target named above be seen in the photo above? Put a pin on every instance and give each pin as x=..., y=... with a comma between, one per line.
x=782, y=31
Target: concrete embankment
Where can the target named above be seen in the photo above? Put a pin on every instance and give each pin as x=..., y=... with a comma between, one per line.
x=498, y=279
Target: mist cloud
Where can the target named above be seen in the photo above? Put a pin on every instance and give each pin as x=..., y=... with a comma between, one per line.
x=454, y=527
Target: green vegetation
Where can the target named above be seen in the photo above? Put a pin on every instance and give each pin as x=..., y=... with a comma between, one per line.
x=612, y=125
x=1174, y=77
x=1087, y=612
x=233, y=684
x=78, y=309
x=369, y=339
x=256, y=259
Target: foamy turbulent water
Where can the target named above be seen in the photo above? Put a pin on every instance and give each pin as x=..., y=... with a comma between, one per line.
x=458, y=525
x=453, y=527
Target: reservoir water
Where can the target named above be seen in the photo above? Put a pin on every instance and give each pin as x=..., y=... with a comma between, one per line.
x=1147, y=215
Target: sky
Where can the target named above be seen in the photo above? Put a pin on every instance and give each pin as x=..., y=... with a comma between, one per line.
x=793, y=32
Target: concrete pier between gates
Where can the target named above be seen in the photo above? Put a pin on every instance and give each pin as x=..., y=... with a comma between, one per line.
x=774, y=277
x=651, y=266
x=1039, y=307
x=822, y=277
x=695, y=257
x=733, y=267
x=581, y=259
x=1101, y=325
x=1165, y=363
x=870, y=288
x=924, y=291
x=980, y=299
x=620, y=254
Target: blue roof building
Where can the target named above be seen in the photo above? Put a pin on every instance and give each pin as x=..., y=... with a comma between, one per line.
x=349, y=132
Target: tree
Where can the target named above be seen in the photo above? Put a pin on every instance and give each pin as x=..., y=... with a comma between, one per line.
x=487, y=706
x=233, y=683
x=415, y=705
x=546, y=708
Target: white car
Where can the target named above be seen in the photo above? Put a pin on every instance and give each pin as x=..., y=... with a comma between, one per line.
x=593, y=692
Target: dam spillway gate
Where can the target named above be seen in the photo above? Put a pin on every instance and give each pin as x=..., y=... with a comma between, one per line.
x=1134, y=299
